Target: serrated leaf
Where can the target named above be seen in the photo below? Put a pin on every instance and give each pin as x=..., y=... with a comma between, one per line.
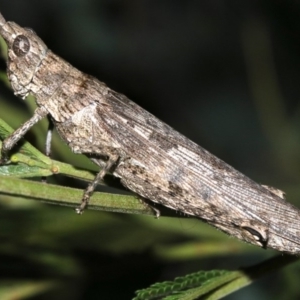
x=214, y=284
x=206, y=280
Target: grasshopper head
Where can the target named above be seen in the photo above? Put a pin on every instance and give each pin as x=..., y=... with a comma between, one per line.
x=25, y=53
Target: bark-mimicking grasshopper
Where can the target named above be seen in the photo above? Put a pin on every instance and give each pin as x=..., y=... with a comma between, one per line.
x=150, y=158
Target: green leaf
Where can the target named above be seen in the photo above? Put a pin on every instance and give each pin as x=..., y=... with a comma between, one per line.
x=211, y=285
x=207, y=280
x=24, y=289
x=66, y=196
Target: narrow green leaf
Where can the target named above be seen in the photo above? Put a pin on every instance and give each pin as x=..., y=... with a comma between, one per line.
x=207, y=248
x=24, y=289
x=65, y=196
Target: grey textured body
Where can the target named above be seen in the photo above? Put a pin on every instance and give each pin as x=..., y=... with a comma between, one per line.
x=150, y=158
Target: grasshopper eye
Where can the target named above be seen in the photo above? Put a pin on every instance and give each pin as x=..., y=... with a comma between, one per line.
x=21, y=45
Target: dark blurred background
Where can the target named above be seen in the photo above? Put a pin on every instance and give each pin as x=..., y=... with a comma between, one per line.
x=225, y=74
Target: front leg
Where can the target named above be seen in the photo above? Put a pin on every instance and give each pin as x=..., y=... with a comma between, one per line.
x=11, y=141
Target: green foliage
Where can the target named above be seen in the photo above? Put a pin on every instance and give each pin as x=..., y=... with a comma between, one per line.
x=172, y=290
x=211, y=285
x=23, y=289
